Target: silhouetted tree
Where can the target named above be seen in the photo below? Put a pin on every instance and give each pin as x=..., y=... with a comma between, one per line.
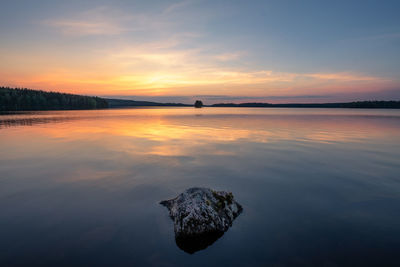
x=198, y=104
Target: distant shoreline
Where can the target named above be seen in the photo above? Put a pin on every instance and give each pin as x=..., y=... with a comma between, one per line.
x=119, y=103
x=23, y=99
x=356, y=104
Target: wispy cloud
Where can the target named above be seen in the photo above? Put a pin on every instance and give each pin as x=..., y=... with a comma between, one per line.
x=229, y=56
x=86, y=27
x=98, y=21
x=342, y=76
x=164, y=66
x=177, y=6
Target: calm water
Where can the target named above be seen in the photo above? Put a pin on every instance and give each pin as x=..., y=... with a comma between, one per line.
x=318, y=186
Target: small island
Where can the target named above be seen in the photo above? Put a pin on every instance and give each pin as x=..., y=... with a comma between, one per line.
x=198, y=104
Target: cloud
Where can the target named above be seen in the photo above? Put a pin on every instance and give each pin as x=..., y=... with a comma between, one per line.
x=107, y=20
x=98, y=21
x=177, y=6
x=162, y=66
x=228, y=56
x=86, y=27
x=343, y=76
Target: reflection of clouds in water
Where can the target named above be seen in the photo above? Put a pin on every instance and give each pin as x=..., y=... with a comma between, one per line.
x=95, y=180
x=112, y=144
x=182, y=132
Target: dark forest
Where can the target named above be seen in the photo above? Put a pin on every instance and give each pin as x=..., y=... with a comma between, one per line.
x=13, y=99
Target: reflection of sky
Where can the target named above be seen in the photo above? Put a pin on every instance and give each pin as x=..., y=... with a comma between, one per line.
x=276, y=51
x=83, y=187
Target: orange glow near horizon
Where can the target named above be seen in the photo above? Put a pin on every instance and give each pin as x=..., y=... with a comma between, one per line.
x=144, y=71
x=193, y=82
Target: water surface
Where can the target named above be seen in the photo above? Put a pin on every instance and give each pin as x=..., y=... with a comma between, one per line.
x=318, y=186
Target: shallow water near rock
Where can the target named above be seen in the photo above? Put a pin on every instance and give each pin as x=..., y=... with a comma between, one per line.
x=318, y=186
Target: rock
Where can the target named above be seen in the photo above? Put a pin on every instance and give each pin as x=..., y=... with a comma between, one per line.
x=201, y=216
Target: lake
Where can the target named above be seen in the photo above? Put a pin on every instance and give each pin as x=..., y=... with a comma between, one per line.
x=319, y=187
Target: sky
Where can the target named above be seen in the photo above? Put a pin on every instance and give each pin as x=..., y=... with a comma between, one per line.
x=216, y=51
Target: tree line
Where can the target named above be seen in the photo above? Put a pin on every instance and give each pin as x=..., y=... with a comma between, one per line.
x=13, y=99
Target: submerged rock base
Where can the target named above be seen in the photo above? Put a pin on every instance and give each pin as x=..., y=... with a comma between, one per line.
x=201, y=216
x=191, y=244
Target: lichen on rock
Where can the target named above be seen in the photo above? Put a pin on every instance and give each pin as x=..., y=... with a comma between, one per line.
x=201, y=216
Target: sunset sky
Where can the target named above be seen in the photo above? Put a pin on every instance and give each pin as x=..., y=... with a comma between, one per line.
x=217, y=51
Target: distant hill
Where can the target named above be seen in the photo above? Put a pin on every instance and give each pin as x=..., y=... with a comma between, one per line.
x=116, y=103
x=358, y=104
x=14, y=99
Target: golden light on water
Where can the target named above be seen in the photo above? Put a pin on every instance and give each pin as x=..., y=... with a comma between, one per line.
x=181, y=132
